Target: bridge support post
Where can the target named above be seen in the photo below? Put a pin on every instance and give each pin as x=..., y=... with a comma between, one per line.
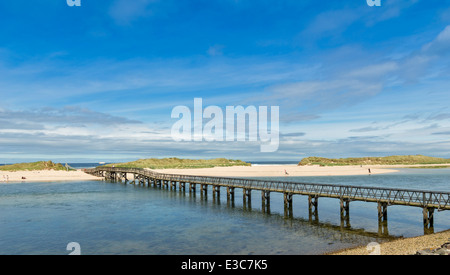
x=288, y=205
x=247, y=197
x=345, y=212
x=216, y=191
x=265, y=199
x=230, y=193
x=204, y=189
x=382, y=211
x=382, y=219
x=192, y=187
x=428, y=220
x=182, y=186
x=230, y=196
x=173, y=185
x=313, y=203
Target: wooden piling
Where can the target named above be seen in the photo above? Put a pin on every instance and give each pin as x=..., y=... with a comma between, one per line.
x=288, y=204
x=345, y=212
x=428, y=220
x=216, y=191
x=313, y=211
x=192, y=187
x=247, y=195
x=382, y=211
x=230, y=193
x=265, y=200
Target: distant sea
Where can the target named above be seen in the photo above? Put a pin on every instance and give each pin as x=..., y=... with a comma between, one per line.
x=114, y=218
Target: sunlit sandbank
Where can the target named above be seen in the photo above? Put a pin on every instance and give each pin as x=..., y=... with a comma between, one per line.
x=44, y=175
x=282, y=170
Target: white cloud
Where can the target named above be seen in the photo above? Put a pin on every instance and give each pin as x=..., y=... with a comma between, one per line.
x=441, y=44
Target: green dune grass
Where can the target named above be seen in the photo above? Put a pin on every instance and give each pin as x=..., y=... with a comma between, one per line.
x=32, y=166
x=391, y=160
x=176, y=163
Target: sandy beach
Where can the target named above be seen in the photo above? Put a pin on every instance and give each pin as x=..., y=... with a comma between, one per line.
x=281, y=170
x=44, y=175
x=233, y=171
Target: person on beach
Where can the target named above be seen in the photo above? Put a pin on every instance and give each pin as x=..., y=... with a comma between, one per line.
x=286, y=173
x=370, y=172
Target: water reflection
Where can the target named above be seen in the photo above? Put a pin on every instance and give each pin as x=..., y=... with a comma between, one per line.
x=342, y=232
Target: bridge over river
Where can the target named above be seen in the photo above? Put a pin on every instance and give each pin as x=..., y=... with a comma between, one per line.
x=429, y=201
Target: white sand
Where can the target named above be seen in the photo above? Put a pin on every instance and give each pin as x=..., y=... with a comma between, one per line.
x=279, y=171
x=44, y=175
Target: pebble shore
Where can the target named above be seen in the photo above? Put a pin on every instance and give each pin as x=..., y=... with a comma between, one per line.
x=407, y=246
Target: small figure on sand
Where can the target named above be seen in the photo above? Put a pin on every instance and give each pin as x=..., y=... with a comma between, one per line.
x=370, y=172
x=286, y=173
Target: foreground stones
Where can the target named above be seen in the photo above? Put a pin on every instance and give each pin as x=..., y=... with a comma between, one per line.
x=443, y=250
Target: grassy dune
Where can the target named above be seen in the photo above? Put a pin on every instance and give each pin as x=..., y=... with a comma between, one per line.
x=391, y=160
x=176, y=163
x=32, y=166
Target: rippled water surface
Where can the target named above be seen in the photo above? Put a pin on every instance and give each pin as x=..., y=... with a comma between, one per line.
x=114, y=218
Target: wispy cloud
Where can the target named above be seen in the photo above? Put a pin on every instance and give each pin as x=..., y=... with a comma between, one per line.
x=124, y=12
x=349, y=79
x=65, y=115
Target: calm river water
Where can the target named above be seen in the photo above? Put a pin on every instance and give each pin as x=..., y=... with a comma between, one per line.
x=113, y=218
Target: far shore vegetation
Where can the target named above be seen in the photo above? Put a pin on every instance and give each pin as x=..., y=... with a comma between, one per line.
x=176, y=163
x=33, y=166
x=390, y=160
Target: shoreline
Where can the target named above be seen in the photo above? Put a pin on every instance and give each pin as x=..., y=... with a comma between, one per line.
x=403, y=246
x=276, y=170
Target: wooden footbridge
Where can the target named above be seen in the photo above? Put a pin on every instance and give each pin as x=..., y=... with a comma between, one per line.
x=384, y=197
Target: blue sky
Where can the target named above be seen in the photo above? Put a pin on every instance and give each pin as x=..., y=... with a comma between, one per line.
x=99, y=82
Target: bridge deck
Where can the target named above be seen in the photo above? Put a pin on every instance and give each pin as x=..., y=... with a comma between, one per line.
x=389, y=196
